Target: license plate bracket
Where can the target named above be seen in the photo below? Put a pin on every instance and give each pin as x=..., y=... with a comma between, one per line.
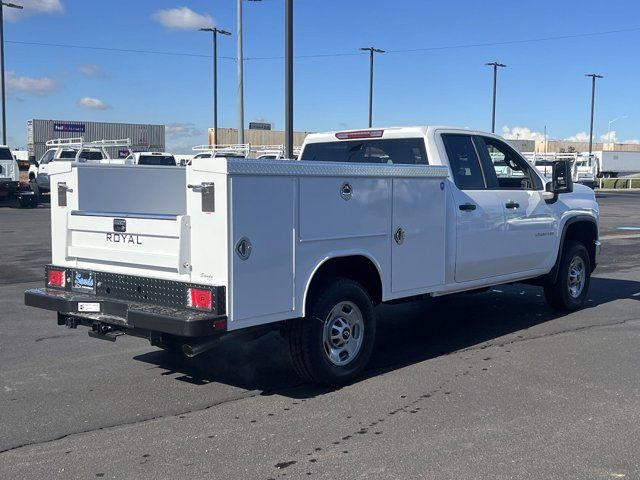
x=83, y=281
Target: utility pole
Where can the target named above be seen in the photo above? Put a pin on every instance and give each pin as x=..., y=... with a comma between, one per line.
x=495, y=66
x=288, y=75
x=371, y=51
x=240, y=78
x=241, y=75
x=2, y=87
x=593, y=101
x=215, y=32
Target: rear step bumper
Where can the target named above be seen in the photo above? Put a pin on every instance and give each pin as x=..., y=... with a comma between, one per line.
x=128, y=315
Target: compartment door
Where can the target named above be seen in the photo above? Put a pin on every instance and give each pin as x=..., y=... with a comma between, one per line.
x=418, y=234
x=262, y=211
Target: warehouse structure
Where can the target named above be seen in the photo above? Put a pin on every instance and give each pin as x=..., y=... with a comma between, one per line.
x=253, y=136
x=144, y=137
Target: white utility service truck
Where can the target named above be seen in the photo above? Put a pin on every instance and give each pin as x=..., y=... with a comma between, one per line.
x=183, y=256
x=70, y=150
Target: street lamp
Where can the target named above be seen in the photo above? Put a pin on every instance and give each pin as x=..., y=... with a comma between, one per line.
x=215, y=32
x=4, y=106
x=288, y=77
x=593, y=100
x=241, y=75
x=371, y=51
x=495, y=66
x=609, y=130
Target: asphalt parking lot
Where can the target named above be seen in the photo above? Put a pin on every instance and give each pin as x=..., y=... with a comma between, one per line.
x=493, y=385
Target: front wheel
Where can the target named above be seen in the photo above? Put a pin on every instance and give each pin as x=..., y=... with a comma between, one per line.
x=569, y=290
x=333, y=343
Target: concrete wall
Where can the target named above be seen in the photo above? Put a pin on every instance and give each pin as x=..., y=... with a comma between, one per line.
x=229, y=136
x=558, y=145
x=523, y=145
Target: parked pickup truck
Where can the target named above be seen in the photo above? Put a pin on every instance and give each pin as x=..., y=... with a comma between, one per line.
x=184, y=256
x=12, y=190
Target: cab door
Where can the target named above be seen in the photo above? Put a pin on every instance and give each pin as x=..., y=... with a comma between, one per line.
x=530, y=223
x=479, y=213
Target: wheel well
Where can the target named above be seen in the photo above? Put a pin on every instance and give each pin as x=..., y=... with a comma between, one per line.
x=355, y=267
x=585, y=232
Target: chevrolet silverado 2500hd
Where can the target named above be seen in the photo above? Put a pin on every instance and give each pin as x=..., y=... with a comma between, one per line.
x=183, y=256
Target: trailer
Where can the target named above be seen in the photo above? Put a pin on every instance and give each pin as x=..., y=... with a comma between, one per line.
x=613, y=164
x=144, y=137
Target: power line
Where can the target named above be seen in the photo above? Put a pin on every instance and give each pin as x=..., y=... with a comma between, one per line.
x=337, y=54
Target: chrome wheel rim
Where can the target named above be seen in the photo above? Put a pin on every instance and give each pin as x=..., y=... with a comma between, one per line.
x=577, y=277
x=343, y=333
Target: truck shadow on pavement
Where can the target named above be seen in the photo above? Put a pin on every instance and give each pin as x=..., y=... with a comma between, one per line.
x=408, y=333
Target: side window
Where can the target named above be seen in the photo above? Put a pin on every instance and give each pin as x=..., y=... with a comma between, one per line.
x=511, y=171
x=464, y=162
x=47, y=157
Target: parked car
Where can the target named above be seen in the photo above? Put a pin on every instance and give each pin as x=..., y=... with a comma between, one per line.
x=310, y=247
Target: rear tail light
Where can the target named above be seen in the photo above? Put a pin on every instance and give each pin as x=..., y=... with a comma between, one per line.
x=55, y=278
x=199, y=298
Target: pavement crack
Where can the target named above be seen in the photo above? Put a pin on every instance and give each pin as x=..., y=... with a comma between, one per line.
x=243, y=396
x=546, y=335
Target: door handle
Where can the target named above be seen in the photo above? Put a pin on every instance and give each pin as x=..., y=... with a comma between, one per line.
x=512, y=205
x=467, y=207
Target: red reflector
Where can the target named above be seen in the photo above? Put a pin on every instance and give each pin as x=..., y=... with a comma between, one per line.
x=55, y=278
x=359, y=134
x=200, y=298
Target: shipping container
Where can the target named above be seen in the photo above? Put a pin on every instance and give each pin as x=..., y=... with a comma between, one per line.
x=144, y=137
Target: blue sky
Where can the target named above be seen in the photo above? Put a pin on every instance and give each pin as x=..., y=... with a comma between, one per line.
x=544, y=82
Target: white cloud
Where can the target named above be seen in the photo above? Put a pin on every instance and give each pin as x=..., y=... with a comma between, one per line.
x=182, y=18
x=93, y=103
x=183, y=130
x=33, y=7
x=34, y=86
x=635, y=141
x=521, y=133
x=578, y=137
x=90, y=70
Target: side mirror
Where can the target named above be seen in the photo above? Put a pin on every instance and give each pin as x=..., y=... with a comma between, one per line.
x=33, y=161
x=561, y=178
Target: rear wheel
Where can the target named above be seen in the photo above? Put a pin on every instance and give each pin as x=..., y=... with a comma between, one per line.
x=569, y=290
x=333, y=343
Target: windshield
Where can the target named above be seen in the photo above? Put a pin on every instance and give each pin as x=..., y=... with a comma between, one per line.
x=166, y=160
x=67, y=154
x=91, y=155
x=5, y=154
x=396, y=150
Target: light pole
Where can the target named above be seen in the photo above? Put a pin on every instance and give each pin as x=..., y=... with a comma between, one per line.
x=288, y=94
x=371, y=51
x=215, y=32
x=609, y=130
x=593, y=101
x=241, y=75
x=4, y=101
x=495, y=66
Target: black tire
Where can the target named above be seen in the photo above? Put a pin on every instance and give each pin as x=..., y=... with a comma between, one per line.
x=36, y=191
x=559, y=294
x=309, y=354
